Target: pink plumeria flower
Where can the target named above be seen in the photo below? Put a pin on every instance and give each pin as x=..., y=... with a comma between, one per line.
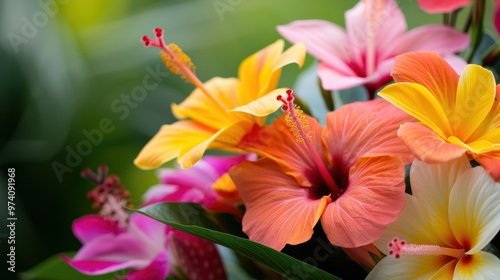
x=363, y=54
x=442, y=6
x=114, y=240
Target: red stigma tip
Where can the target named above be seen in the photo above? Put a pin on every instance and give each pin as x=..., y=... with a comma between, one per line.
x=289, y=91
x=279, y=97
x=146, y=41
x=284, y=108
x=158, y=32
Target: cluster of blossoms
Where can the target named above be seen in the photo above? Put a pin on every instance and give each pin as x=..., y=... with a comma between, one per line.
x=439, y=118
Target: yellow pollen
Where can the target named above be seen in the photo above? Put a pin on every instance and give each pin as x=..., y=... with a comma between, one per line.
x=292, y=124
x=172, y=63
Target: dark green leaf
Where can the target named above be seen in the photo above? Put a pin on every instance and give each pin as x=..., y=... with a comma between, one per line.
x=195, y=220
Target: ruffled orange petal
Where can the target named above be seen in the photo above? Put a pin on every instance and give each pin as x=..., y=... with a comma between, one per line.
x=277, y=143
x=278, y=210
x=431, y=71
x=491, y=163
x=427, y=145
x=170, y=140
x=366, y=128
x=373, y=199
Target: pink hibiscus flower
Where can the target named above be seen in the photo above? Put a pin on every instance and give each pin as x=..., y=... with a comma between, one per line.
x=363, y=54
x=442, y=6
x=349, y=175
x=115, y=240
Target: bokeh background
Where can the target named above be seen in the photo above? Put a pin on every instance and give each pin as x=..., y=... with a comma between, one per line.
x=67, y=65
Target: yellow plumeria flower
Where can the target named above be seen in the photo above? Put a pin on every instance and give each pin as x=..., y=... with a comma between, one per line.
x=458, y=114
x=453, y=214
x=221, y=111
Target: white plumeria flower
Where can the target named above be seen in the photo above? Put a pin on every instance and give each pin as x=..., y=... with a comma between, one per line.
x=453, y=213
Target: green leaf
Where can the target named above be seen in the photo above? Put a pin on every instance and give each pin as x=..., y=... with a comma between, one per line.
x=54, y=268
x=193, y=219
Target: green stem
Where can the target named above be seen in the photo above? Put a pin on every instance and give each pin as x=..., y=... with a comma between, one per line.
x=327, y=97
x=476, y=33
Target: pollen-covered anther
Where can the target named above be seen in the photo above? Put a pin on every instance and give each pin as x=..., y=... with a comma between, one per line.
x=295, y=119
x=109, y=197
x=173, y=57
x=173, y=62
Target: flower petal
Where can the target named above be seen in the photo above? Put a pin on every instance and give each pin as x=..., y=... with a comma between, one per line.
x=438, y=38
x=278, y=143
x=411, y=267
x=157, y=270
x=431, y=71
x=482, y=265
x=92, y=267
x=264, y=105
x=170, y=140
x=385, y=19
x=490, y=164
x=111, y=252
x=426, y=145
x=225, y=139
x=420, y=103
x=431, y=185
x=324, y=40
x=278, y=210
x=89, y=227
x=332, y=78
x=151, y=228
x=475, y=98
x=442, y=6
x=364, y=128
x=373, y=199
x=475, y=209
x=412, y=225
x=259, y=73
x=198, y=106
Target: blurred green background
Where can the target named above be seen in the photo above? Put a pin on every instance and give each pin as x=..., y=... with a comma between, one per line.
x=68, y=65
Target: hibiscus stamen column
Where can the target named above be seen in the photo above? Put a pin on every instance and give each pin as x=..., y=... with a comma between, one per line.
x=298, y=125
x=178, y=63
x=398, y=247
x=372, y=12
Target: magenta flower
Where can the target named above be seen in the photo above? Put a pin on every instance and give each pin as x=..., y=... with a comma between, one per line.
x=107, y=247
x=115, y=240
x=206, y=183
x=442, y=6
x=363, y=54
